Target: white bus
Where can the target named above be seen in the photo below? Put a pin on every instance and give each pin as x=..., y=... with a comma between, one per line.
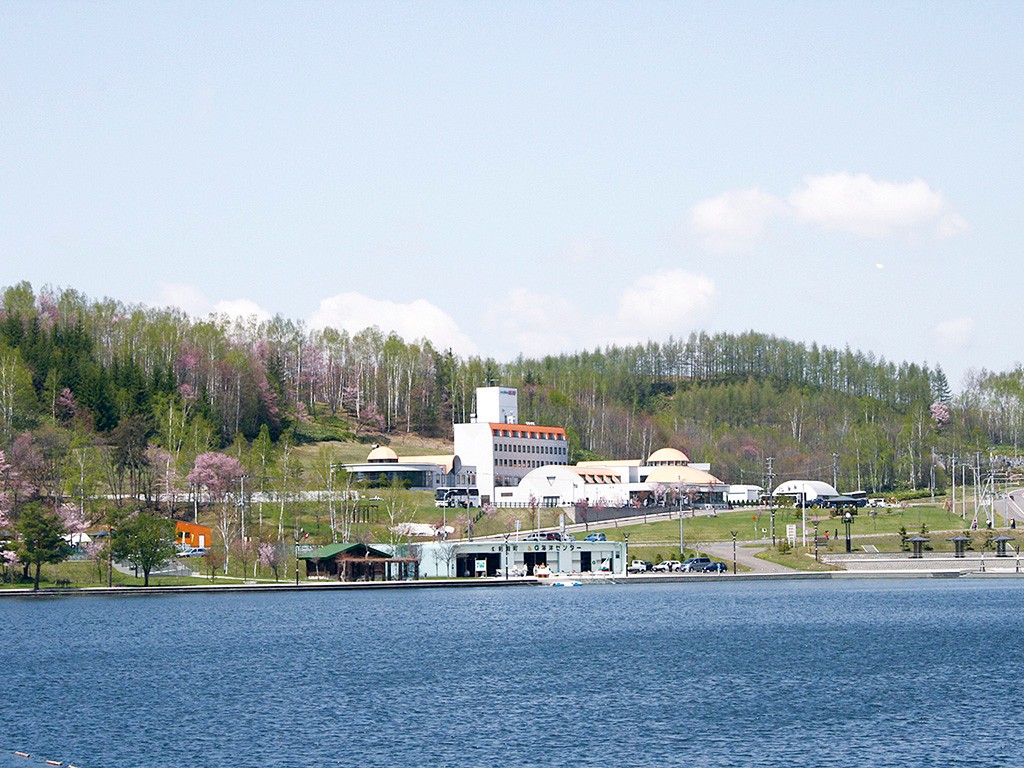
x=461, y=496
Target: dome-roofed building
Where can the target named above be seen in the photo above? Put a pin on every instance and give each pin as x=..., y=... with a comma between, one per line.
x=675, y=475
x=384, y=467
x=623, y=483
x=381, y=454
x=808, y=491
x=667, y=457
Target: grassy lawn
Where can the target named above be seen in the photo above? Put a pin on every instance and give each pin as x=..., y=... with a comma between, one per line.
x=653, y=541
x=799, y=558
x=82, y=574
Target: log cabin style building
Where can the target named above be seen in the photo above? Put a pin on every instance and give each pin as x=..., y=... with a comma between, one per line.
x=359, y=562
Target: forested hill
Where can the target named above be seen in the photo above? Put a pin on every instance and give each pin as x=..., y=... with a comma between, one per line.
x=87, y=366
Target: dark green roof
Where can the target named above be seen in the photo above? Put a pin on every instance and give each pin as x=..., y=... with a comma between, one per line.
x=333, y=550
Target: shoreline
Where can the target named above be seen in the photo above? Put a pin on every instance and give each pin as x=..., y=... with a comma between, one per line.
x=58, y=592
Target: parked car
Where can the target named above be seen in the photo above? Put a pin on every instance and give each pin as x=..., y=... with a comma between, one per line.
x=715, y=567
x=568, y=537
x=637, y=566
x=666, y=566
x=192, y=552
x=543, y=536
x=595, y=537
x=694, y=564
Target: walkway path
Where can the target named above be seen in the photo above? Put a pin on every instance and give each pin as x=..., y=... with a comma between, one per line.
x=745, y=555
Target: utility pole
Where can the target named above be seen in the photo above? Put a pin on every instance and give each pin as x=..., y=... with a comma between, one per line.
x=952, y=460
x=679, y=503
x=770, y=484
x=835, y=471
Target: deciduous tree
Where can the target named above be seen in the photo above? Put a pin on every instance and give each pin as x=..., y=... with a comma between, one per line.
x=145, y=540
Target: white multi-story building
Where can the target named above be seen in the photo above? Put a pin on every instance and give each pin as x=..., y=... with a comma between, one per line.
x=503, y=450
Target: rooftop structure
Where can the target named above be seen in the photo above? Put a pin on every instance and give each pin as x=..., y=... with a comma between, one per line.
x=384, y=467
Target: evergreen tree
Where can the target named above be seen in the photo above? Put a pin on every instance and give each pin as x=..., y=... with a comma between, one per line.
x=40, y=538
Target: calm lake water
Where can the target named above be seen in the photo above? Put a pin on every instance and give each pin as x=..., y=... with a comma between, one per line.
x=831, y=673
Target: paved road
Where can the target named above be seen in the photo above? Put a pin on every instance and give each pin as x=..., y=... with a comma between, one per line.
x=745, y=550
x=1013, y=508
x=745, y=555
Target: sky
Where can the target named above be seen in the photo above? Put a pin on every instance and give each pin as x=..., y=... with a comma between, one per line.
x=531, y=177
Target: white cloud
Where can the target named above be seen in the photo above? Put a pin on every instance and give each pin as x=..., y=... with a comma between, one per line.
x=863, y=206
x=185, y=297
x=241, y=309
x=652, y=308
x=535, y=324
x=951, y=225
x=955, y=334
x=734, y=221
x=193, y=301
x=665, y=303
x=354, y=312
x=839, y=202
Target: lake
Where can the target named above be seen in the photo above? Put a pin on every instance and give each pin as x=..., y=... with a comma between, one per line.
x=822, y=673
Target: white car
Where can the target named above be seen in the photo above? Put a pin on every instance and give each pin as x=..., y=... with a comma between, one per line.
x=667, y=566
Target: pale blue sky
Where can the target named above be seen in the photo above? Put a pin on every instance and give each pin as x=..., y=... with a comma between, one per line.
x=529, y=177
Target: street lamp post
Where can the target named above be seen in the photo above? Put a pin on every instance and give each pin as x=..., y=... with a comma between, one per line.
x=506, y=557
x=848, y=521
x=625, y=555
x=734, y=553
x=297, y=536
x=803, y=516
x=682, y=551
x=815, y=541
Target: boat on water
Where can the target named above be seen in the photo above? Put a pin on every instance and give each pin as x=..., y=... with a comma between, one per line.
x=543, y=573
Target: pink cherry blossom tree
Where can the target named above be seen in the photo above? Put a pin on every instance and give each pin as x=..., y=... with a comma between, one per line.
x=940, y=413
x=270, y=556
x=219, y=474
x=71, y=516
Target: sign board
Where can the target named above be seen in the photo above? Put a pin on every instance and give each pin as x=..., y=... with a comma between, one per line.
x=481, y=566
x=791, y=534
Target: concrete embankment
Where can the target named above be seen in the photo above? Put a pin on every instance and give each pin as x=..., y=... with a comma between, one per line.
x=645, y=579
x=304, y=586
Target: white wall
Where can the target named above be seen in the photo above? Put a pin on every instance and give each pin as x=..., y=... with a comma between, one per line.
x=497, y=404
x=562, y=556
x=474, y=445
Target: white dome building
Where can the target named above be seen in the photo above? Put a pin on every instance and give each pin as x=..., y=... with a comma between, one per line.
x=810, y=491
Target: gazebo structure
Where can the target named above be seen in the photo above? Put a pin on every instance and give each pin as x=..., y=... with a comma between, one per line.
x=360, y=562
x=918, y=542
x=960, y=542
x=1001, y=542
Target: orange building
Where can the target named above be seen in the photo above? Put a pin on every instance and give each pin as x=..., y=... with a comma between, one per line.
x=192, y=535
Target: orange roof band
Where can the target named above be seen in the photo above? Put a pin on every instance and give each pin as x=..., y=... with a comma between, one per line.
x=524, y=430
